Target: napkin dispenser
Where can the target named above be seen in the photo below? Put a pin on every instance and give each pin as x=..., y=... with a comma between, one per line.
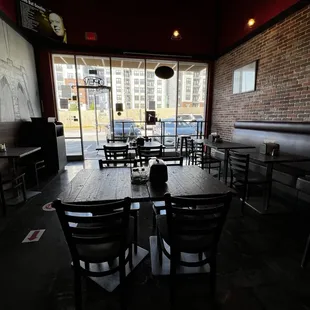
x=269, y=149
x=214, y=137
x=158, y=171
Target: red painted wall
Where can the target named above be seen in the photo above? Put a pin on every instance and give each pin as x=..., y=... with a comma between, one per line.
x=235, y=14
x=9, y=8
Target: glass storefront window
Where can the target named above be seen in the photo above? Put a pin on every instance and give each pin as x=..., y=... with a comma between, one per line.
x=90, y=116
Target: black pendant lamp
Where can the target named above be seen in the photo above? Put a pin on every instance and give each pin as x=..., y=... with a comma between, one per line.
x=164, y=72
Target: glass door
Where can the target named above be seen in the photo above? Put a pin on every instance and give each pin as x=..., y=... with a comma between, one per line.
x=94, y=102
x=67, y=103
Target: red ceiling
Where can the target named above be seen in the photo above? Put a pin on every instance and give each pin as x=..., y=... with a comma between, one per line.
x=235, y=14
x=147, y=26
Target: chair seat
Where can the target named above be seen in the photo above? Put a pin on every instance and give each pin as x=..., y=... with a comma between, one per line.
x=187, y=244
x=98, y=253
x=253, y=178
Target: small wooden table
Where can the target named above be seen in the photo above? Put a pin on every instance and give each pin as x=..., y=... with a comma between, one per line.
x=13, y=153
x=226, y=146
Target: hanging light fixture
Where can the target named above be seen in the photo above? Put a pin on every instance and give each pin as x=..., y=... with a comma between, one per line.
x=176, y=36
x=164, y=72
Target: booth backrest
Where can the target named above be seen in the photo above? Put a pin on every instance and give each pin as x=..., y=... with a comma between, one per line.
x=293, y=137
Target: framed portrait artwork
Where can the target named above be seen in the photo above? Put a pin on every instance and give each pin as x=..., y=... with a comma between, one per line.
x=244, y=78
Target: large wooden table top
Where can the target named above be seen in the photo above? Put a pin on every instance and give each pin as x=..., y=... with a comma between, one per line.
x=115, y=183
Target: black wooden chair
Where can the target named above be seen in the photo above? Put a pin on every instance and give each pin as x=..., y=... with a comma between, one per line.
x=241, y=177
x=203, y=158
x=98, y=239
x=135, y=206
x=14, y=182
x=159, y=206
x=124, y=140
x=192, y=225
x=115, y=152
x=146, y=152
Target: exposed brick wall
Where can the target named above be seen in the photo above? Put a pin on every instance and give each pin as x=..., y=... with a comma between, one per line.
x=283, y=77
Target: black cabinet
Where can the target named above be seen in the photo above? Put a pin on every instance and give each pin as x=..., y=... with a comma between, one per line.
x=50, y=137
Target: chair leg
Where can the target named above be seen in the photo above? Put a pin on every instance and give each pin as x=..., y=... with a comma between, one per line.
x=136, y=232
x=247, y=192
x=3, y=200
x=219, y=171
x=77, y=288
x=122, y=276
x=159, y=249
x=243, y=199
x=306, y=254
x=24, y=188
x=130, y=257
x=173, y=260
x=154, y=219
x=37, y=176
x=213, y=277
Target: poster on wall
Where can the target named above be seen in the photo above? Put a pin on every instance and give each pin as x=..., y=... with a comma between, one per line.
x=42, y=21
x=19, y=94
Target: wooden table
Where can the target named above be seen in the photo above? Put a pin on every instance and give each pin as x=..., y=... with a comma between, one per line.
x=187, y=181
x=269, y=161
x=115, y=183
x=104, y=185
x=226, y=146
x=13, y=153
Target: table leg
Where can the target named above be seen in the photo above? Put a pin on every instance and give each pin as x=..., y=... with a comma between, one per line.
x=226, y=165
x=267, y=192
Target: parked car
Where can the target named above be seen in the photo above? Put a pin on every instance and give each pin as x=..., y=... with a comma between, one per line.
x=124, y=128
x=168, y=126
x=190, y=117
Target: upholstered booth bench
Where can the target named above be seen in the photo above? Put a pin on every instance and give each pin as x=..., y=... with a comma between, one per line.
x=293, y=137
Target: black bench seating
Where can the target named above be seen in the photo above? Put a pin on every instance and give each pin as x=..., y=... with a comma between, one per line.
x=293, y=138
x=303, y=186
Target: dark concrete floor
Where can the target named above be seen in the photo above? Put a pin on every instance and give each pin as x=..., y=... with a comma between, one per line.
x=258, y=263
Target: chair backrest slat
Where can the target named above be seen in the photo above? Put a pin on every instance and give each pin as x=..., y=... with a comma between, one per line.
x=124, y=140
x=117, y=163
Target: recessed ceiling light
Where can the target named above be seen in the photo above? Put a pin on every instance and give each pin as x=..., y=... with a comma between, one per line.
x=176, y=35
x=251, y=22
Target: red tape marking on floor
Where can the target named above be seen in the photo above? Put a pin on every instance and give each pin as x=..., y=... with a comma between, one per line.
x=48, y=207
x=34, y=236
